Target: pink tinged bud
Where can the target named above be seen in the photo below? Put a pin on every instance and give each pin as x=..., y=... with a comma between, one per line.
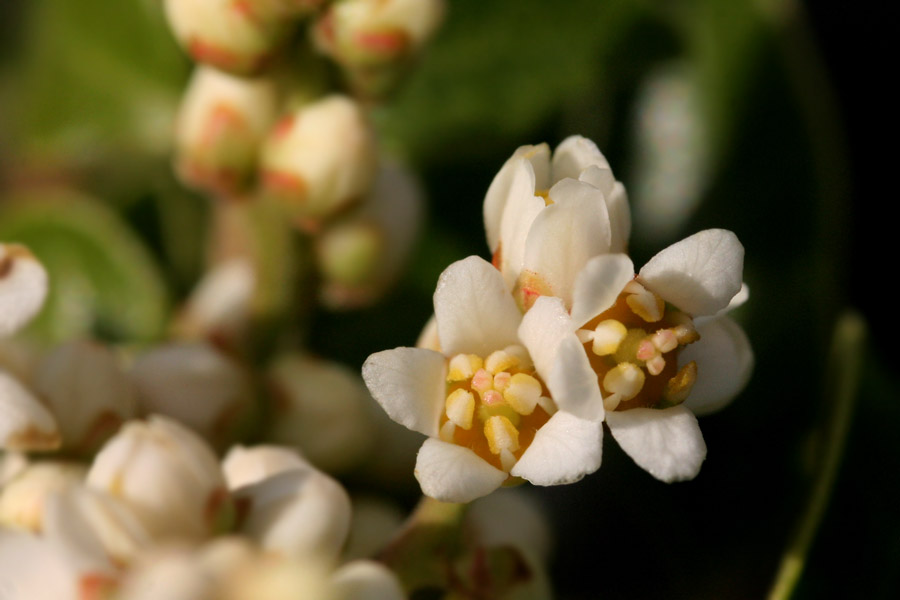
x=167, y=475
x=322, y=160
x=88, y=392
x=220, y=128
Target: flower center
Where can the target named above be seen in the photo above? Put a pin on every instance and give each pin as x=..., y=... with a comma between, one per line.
x=495, y=405
x=633, y=347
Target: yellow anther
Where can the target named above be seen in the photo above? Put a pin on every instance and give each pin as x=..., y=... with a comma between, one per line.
x=500, y=360
x=507, y=460
x=679, y=387
x=523, y=393
x=448, y=429
x=607, y=337
x=686, y=334
x=625, y=379
x=460, y=407
x=611, y=402
x=501, y=434
x=547, y=403
x=665, y=340
x=501, y=380
x=482, y=381
x=463, y=367
x=521, y=353
x=647, y=306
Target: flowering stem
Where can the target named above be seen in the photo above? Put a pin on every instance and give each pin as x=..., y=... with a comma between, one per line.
x=422, y=553
x=844, y=368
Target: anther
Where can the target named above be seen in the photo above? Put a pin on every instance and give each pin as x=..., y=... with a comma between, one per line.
x=463, y=367
x=500, y=360
x=501, y=380
x=646, y=350
x=656, y=364
x=647, y=306
x=679, y=387
x=492, y=398
x=523, y=393
x=501, y=434
x=482, y=381
x=447, y=431
x=607, y=337
x=460, y=408
x=665, y=340
x=519, y=352
x=625, y=379
x=548, y=405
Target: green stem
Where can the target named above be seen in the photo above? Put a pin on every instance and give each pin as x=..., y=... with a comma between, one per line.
x=845, y=364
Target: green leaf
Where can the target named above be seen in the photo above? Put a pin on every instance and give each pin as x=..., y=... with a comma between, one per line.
x=103, y=282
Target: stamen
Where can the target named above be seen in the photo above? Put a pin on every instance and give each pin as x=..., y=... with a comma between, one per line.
x=460, y=407
x=656, y=364
x=679, y=387
x=525, y=363
x=625, y=379
x=501, y=434
x=647, y=306
x=500, y=360
x=447, y=431
x=611, y=402
x=646, y=350
x=585, y=335
x=501, y=380
x=463, y=366
x=548, y=405
x=507, y=460
x=523, y=393
x=482, y=381
x=686, y=334
x=492, y=398
x=665, y=340
x=607, y=337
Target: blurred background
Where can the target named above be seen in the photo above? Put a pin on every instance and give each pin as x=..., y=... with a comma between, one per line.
x=758, y=116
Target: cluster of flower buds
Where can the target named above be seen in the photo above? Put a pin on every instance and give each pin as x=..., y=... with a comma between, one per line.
x=529, y=357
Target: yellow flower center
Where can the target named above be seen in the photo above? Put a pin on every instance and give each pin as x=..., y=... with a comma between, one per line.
x=495, y=405
x=633, y=347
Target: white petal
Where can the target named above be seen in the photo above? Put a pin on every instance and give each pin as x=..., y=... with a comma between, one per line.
x=724, y=363
x=366, y=580
x=564, y=450
x=598, y=285
x=428, y=338
x=575, y=154
x=408, y=383
x=666, y=443
x=246, y=465
x=25, y=424
x=542, y=329
x=475, y=312
x=514, y=227
x=619, y=218
x=23, y=287
x=451, y=473
x=700, y=274
x=535, y=162
x=566, y=234
x=573, y=383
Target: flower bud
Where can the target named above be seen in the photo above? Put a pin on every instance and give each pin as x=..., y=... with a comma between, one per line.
x=299, y=513
x=25, y=423
x=88, y=392
x=167, y=475
x=219, y=308
x=322, y=408
x=248, y=465
x=194, y=384
x=319, y=159
x=171, y=572
x=89, y=520
x=228, y=35
x=366, y=580
x=275, y=578
x=23, y=499
x=220, y=127
x=360, y=256
x=23, y=287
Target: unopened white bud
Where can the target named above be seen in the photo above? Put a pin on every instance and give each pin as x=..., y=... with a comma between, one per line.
x=86, y=389
x=220, y=306
x=23, y=500
x=324, y=409
x=366, y=580
x=194, y=384
x=23, y=287
x=25, y=423
x=320, y=159
x=225, y=34
x=167, y=474
x=245, y=465
x=221, y=125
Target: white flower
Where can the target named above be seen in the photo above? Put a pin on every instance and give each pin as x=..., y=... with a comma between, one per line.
x=84, y=386
x=655, y=343
x=167, y=474
x=484, y=407
x=23, y=287
x=248, y=465
x=533, y=191
x=23, y=500
x=25, y=423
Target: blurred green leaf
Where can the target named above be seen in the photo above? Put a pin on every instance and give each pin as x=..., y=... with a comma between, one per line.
x=95, y=74
x=102, y=280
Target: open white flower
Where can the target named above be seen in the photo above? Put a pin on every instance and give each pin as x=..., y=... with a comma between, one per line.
x=534, y=191
x=485, y=407
x=634, y=331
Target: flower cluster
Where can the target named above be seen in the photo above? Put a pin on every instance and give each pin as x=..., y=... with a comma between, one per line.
x=561, y=335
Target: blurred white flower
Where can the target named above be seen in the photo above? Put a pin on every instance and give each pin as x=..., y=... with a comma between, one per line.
x=246, y=465
x=23, y=287
x=319, y=159
x=622, y=340
x=575, y=189
x=23, y=499
x=486, y=411
x=86, y=389
x=221, y=124
x=25, y=423
x=220, y=306
x=168, y=475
